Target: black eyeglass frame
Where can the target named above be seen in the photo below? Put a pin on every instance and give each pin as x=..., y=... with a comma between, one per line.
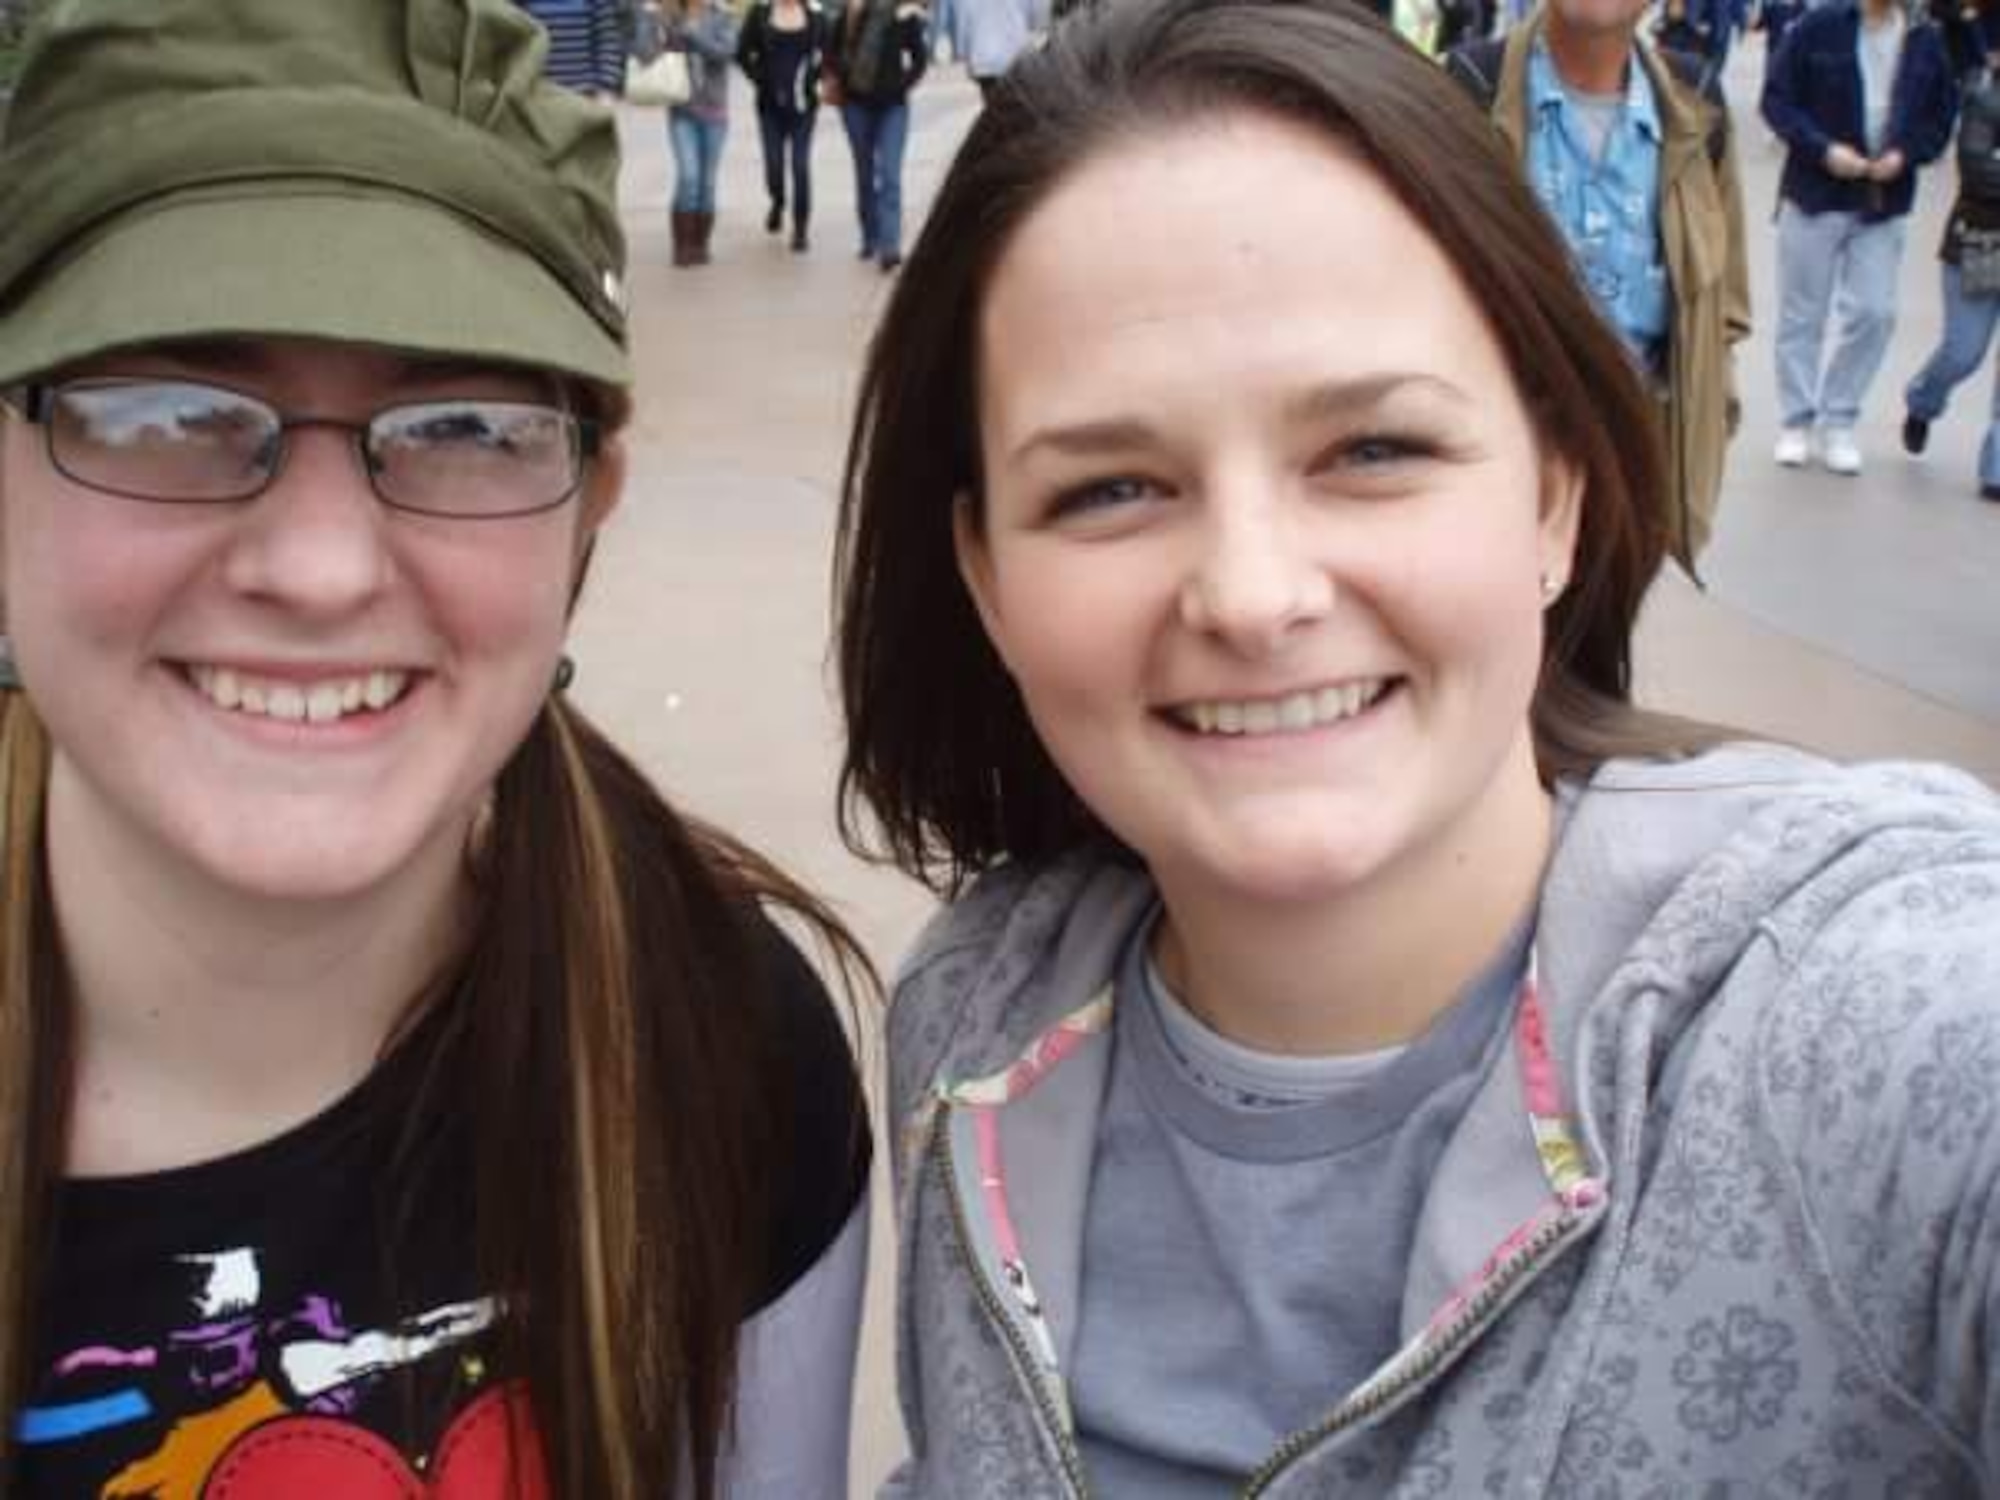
x=35, y=401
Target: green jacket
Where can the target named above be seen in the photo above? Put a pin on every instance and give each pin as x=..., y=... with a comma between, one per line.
x=1701, y=225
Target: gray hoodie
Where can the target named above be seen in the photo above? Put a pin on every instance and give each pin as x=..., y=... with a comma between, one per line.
x=1723, y=1221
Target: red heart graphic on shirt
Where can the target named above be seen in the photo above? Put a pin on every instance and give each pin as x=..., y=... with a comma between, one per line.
x=292, y=1456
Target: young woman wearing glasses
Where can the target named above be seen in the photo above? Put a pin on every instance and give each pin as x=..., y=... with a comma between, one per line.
x=1368, y=1055
x=394, y=1092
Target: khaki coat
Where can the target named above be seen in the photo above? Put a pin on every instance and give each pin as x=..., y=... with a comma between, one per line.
x=1701, y=228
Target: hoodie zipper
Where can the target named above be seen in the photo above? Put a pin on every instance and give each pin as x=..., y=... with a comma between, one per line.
x=1025, y=1363
x=1372, y=1399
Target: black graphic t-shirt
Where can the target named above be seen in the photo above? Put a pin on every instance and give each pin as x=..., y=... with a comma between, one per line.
x=232, y=1331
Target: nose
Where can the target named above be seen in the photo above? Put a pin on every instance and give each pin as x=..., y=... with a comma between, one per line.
x=314, y=540
x=1256, y=579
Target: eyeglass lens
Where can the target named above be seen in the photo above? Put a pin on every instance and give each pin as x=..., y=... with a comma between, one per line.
x=181, y=441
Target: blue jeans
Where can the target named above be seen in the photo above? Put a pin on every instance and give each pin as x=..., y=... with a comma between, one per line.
x=697, y=144
x=1842, y=262
x=877, y=134
x=1968, y=333
x=787, y=135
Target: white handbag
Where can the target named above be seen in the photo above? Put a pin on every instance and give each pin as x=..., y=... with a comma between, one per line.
x=665, y=80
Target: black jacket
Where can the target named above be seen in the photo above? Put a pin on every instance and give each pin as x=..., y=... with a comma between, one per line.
x=753, y=47
x=880, y=50
x=1979, y=142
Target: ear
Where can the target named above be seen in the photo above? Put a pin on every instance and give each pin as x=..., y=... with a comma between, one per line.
x=975, y=568
x=1562, y=517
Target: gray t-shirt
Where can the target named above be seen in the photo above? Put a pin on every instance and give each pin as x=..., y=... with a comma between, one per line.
x=1596, y=116
x=1248, y=1229
x=1878, y=48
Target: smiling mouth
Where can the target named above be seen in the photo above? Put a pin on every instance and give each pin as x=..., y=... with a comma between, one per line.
x=1293, y=713
x=326, y=700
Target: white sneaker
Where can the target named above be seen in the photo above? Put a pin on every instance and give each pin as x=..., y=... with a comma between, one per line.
x=1794, y=448
x=1839, y=452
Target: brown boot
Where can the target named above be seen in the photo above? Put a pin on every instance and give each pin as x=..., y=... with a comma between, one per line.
x=700, y=227
x=683, y=237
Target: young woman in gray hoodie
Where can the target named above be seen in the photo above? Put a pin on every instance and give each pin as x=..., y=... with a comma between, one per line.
x=1366, y=1054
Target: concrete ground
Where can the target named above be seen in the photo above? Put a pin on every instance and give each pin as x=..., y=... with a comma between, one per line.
x=1858, y=616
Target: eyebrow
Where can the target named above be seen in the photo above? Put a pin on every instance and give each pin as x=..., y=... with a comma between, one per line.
x=1346, y=397
x=1337, y=398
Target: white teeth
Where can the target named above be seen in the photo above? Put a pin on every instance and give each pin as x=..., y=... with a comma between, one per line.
x=287, y=703
x=324, y=702
x=1291, y=714
x=383, y=689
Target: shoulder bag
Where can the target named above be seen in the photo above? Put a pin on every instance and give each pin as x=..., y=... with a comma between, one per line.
x=663, y=81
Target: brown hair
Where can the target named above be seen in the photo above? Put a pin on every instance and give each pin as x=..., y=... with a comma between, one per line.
x=939, y=748
x=594, y=1043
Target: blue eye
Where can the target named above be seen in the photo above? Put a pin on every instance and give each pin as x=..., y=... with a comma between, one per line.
x=1102, y=494
x=1385, y=457
x=1379, y=448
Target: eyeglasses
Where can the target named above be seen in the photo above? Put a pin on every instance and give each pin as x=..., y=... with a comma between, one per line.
x=179, y=442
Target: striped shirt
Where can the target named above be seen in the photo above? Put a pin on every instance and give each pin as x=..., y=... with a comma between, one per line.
x=586, y=42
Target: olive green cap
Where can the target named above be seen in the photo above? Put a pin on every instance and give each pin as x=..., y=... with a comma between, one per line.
x=385, y=172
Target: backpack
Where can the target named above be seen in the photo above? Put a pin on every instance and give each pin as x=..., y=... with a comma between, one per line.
x=1476, y=65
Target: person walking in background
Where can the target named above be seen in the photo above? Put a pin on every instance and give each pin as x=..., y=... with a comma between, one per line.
x=1698, y=28
x=1630, y=150
x=1964, y=25
x=880, y=51
x=782, y=51
x=1462, y=21
x=587, y=43
x=1970, y=277
x=1862, y=95
x=696, y=130
x=1774, y=18
x=987, y=35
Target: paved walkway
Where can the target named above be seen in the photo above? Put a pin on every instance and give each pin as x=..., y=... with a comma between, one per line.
x=1861, y=617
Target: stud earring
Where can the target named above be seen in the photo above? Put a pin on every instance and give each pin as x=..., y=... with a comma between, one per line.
x=565, y=673
x=1551, y=588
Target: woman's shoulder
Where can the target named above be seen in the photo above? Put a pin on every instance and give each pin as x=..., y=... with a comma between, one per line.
x=1021, y=906
x=824, y=1153
x=1710, y=854
x=1775, y=811
x=1024, y=946
x=1698, y=799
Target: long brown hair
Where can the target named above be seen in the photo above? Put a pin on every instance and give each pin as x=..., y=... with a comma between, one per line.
x=940, y=752
x=595, y=1045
